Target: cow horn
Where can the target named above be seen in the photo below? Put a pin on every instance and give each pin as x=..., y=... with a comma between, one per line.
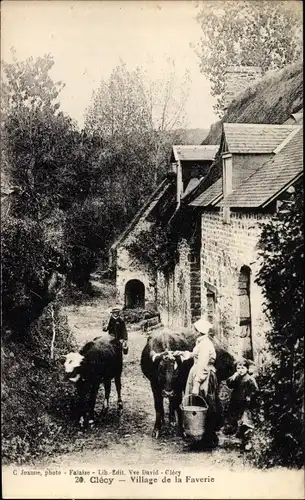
x=155, y=355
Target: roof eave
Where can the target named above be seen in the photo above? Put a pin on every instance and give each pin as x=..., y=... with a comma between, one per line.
x=278, y=193
x=216, y=200
x=137, y=217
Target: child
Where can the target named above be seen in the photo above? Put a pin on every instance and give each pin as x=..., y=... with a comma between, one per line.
x=117, y=329
x=241, y=403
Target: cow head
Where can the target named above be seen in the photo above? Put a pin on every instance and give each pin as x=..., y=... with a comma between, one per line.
x=167, y=371
x=73, y=362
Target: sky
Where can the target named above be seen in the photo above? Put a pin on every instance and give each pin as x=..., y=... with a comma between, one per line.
x=88, y=39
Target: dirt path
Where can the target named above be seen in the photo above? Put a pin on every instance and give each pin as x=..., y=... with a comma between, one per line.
x=124, y=442
x=116, y=438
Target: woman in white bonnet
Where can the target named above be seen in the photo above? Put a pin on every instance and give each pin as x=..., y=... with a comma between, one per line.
x=202, y=380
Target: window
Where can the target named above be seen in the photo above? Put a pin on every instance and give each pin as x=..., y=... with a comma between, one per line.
x=211, y=306
x=245, y=311
x=211, y=299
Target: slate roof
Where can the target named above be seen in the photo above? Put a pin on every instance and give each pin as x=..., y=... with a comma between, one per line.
x=274, y=176
x=151, y=202
x=255, y=138
x=194, y=153
x=209, y=196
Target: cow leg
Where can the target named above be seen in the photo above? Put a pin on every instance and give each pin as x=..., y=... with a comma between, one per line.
x=118, y=386
x=158, y=400
x=180, y=431
x=92, y=401
x=107, y=385
x=174, y=407
x=82, y=405
x=172, y=418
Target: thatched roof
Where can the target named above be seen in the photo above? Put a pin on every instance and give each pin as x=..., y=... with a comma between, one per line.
x=272, y=100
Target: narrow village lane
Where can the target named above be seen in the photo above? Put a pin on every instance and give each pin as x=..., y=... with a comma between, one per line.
x=123, y=444
x=126, y=438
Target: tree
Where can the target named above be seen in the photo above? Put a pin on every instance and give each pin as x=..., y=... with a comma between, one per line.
x=166, y=109
x=252, y=32
x=54, y=166
x=282, y=280
x=28, y=84
x=139, y=119
x=34, y=135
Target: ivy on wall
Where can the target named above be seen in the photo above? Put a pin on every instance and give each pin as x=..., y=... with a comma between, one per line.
x=156, y=247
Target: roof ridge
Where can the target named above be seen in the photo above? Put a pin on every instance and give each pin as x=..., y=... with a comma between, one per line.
x=269, y=125
x=288, y=139
x=195, y=146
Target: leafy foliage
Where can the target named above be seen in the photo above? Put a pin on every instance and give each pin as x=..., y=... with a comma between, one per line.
x=255, y=33
x=139, y=120
x=55, y=169
x=28, y=263
x=282, y=381
x=36, y=401
x=155, y=247
x=34, y=142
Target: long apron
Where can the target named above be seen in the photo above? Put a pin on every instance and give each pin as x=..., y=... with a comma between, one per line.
x=209, y=392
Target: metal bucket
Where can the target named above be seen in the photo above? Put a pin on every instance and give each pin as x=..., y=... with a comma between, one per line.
x=194, y=418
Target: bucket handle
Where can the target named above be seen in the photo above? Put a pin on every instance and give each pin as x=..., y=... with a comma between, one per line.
x=197, y=396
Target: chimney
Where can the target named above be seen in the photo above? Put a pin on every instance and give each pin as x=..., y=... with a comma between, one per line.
x=227, y=182
x=238, y=79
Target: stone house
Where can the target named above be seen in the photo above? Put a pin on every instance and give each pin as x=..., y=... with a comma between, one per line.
x=137, y=284
x=238, y=185
x=261, y=165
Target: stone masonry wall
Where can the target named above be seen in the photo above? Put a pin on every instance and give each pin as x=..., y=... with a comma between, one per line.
x=225, y=249
x=173, y=292
x=127, y=269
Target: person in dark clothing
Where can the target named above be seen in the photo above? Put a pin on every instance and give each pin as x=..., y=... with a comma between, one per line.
x=242, y=401
x=117, y=328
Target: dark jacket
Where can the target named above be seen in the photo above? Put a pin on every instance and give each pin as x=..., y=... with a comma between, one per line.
x=117, y=328
x=243, y=394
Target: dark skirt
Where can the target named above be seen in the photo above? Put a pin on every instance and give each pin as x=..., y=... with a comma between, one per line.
x=213, y=418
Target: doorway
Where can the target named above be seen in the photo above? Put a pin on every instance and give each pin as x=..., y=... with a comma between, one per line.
x=134, y=294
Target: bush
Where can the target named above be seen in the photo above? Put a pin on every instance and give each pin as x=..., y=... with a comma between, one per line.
x=36, y=401
x=136, y=315
x=282, y=381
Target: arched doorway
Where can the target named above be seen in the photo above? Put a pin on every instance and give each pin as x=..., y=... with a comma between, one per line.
x=134, y=294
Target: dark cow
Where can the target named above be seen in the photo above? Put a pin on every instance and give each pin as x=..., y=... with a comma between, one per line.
x=98, y=361
x=168, y=374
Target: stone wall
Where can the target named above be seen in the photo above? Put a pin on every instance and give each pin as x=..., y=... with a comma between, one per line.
x=128, y=269
x=226, y=248
x=238, y=79
x=173, y=292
